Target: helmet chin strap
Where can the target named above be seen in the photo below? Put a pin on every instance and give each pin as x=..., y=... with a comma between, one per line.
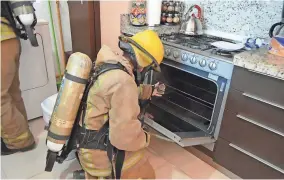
x=145, y=71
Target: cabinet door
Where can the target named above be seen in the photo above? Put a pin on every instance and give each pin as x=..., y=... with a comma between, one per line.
x=260, y=87
x=252, y=137
x=243, y=163
x=33, y=70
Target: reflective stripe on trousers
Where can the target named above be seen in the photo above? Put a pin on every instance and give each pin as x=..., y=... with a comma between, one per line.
x=128, y=163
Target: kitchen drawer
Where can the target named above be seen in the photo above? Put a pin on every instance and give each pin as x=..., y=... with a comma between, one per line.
x=260, y=112
x=262, y=142
x=242, y=163
x=259, y=86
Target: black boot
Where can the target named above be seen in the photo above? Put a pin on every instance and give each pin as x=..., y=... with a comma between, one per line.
x=6, y=151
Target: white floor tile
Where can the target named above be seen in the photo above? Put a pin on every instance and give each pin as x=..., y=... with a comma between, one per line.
x=65, y=170
x=31, y=164
x=27, y=164
x=3, y=174
x=60, y=171
x=44, y=175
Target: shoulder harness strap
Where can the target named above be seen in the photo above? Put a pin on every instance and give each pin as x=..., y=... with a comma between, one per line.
x=97, y=72
x=91, y=139
x=107, y=67
x=8, y=14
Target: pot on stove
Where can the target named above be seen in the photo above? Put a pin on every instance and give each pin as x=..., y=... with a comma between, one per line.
x=191, y=24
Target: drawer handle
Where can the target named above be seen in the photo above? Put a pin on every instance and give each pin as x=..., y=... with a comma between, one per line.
x=260, y=125
x=264, y=101
x=265, y=74
x=257, y=158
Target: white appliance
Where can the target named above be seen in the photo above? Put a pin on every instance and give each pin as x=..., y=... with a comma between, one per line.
x=37, y=74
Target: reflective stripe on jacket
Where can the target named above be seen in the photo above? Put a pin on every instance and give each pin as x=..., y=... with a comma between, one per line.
x=6, y=31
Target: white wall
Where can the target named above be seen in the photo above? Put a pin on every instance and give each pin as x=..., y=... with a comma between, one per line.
x=110, y=21
x=42, y=12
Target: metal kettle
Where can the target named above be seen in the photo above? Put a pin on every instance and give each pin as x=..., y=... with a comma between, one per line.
x=278, y=28
x=191, y=24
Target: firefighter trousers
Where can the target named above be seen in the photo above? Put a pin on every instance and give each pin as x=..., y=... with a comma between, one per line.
x=142, y=170
x=14, y=125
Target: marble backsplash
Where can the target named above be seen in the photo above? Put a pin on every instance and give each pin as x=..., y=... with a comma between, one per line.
x=251, y=18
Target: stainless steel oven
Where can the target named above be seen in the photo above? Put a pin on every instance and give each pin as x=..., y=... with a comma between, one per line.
x=190, y=111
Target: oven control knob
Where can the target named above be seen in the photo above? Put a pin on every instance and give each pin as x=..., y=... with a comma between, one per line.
x=184, y=57
x=212, y=66
x=202, y=62
x=168, y=52
x=193, y=60
x=176, y=54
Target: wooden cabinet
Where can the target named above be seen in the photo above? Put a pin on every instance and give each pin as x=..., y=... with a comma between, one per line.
x=261, y=113
x=242, y=163
x=266, y=88
x=251, y=139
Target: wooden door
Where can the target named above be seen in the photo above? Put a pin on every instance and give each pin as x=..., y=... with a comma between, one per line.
x=85, y=27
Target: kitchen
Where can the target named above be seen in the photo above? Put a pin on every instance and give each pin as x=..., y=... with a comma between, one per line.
x=221, y=105
x=221, y=73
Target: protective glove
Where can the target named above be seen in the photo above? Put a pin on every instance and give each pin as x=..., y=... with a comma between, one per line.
x=159, y=89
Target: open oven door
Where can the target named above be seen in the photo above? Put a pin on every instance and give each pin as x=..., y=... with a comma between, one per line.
x=184, y=139
x=189, y=111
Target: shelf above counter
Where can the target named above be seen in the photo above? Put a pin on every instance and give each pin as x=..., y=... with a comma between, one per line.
x=127, y=28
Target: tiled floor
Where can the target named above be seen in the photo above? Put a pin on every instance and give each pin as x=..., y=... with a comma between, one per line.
x=169, y=160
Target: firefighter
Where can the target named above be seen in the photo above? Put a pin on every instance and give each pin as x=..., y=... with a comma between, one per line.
x=113, y=97
x=15, y=133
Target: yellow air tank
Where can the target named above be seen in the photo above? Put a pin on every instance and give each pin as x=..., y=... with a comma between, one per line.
x=68, y=100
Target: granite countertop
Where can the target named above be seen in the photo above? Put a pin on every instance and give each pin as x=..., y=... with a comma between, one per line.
x=125, y=27
x=262, y=62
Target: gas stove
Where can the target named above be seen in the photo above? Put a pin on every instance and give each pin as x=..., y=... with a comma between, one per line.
x=193, y=42
x=197, y=52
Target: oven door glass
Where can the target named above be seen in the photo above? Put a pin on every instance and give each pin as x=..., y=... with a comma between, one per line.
x=187, y=112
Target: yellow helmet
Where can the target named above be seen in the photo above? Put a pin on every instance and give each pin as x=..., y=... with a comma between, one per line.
x=150, y=41
x=146, y=47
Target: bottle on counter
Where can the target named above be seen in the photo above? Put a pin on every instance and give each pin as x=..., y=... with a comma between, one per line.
x=171, y=7
x=177, y=7
x=170, y=18
x=138, y=13
x=164, y=18
x=176, y=18
x=164, y=6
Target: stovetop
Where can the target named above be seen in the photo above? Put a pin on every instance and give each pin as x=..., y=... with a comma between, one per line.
x=197, y=52
x=199, y=44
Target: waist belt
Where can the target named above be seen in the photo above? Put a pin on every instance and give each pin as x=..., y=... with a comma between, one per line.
x=129, y=163
x=92, y=139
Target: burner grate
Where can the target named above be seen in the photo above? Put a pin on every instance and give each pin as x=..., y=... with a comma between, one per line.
x=201, y=42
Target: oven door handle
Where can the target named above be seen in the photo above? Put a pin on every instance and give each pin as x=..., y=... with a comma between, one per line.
x=263, y=100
